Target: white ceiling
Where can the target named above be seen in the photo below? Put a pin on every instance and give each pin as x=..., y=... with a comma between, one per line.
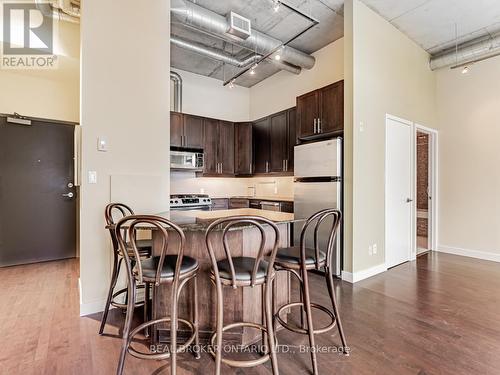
x=431, y=23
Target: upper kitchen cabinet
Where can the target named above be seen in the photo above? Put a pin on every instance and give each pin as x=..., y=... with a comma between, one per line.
x=226, y=147
x=320, y=113
x=218, y=148
x=279, y=141
x=274, y=138
x=186, y=131
x=261, y=142
x=176, y=129
x=243, y=152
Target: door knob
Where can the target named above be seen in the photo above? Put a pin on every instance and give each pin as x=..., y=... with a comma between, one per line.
x=69, y=195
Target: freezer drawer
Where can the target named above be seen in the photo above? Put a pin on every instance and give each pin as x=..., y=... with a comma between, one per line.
x=309, y=198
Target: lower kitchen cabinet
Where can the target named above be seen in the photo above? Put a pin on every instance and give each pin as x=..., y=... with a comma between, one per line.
x=220, y=204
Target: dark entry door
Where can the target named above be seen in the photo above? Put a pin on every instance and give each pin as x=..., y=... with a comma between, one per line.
x=37, y=200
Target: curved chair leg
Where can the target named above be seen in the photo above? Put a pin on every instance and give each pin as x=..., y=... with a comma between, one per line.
x=310, y=328
x=173, y=331
x=114, y=278
x=126, y=327
x=195, y=319
x=270, y=327
x=331, y=291
x=219, y=326
x=146, y=311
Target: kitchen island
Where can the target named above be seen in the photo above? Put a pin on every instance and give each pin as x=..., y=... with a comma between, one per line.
x=241, y=304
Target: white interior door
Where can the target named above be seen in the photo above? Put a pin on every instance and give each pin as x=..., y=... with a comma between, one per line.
x=398, y=192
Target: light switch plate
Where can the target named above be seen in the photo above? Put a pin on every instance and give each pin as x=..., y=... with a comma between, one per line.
x=92, y=177
x=102, y=144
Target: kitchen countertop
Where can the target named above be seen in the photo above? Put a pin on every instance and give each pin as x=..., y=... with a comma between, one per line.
x=198, y=220
x=271, y=198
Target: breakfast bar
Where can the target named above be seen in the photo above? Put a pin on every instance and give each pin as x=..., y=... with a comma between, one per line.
x=242, y=304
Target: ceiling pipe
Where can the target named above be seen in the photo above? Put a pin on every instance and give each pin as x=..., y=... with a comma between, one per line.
x=177, y=80
x=203, y=19
x=474, y=51
x=224, y=57
x=51, y=10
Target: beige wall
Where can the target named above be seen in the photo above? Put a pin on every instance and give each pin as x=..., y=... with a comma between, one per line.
x=125, y=88
x=207, y=97
x=468, y=110
x=183, y=183
x=279, y=91
x=391, y=75
x=50, y=94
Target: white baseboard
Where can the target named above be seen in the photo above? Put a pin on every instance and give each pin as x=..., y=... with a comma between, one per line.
x=494, y=257
x=92, y=307
x=364, y=274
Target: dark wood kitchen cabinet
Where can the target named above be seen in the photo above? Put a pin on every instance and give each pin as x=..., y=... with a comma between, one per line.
x=278, y=135
x=292, y=137
x=243, y=151
x=320, y=113
x=210, y=145
x=226, y=148
x=261, y=141
x=218, y=148
x=176, y=129
x=186, y=131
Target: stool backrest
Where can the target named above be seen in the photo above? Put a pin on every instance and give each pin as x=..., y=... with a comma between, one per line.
x=112, y=213
x=315, y=221
x=225, y=224
x=127, y=227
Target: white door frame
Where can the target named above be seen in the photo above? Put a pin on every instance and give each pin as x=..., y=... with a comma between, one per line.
x=412, y=251
x=433, y=172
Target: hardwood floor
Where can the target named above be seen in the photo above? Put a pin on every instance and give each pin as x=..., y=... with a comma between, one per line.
x=439, y=315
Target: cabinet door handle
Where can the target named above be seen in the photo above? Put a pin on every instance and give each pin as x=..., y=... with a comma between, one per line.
x=267, y=167
x=319, y=125
x=315, y=125
x=221, y=164
x=250, y=168
x=286, y=165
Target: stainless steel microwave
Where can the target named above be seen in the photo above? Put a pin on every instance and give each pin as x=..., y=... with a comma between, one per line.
x=186, y=160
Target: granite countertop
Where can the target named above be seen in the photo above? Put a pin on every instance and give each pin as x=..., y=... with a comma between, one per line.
x=271, y=198
x=199, y=220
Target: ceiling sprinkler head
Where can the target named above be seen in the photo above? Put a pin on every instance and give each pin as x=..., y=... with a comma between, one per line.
x=276, y=5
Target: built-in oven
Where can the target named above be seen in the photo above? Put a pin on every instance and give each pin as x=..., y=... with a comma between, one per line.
x=186, y=160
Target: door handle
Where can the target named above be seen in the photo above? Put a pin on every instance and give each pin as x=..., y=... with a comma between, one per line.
x=408, y=200
x=68, y=195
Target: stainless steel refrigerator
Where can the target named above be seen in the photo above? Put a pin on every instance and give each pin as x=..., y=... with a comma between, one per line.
x=318, y=185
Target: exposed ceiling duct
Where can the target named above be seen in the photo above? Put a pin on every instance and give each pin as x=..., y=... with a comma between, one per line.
x=474, y=51
x=210, y=22
x=224, y=57
x=177, y=80
x=63, y=10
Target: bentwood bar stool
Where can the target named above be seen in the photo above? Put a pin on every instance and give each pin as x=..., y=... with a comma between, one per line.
x=112, y=213
x=168, y=267
x=299, y=260
x=241, y=272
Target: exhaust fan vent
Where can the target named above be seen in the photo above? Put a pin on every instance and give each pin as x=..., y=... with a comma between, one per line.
x=239, y=26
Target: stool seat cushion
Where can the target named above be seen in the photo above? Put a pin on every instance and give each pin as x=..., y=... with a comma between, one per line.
x=292, y=255
x=150, y=265
x=243, y=268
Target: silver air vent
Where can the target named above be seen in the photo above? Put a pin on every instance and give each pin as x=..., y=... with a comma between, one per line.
x=239, y=26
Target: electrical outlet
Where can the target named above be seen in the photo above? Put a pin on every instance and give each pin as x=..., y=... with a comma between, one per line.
x=374, y=248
